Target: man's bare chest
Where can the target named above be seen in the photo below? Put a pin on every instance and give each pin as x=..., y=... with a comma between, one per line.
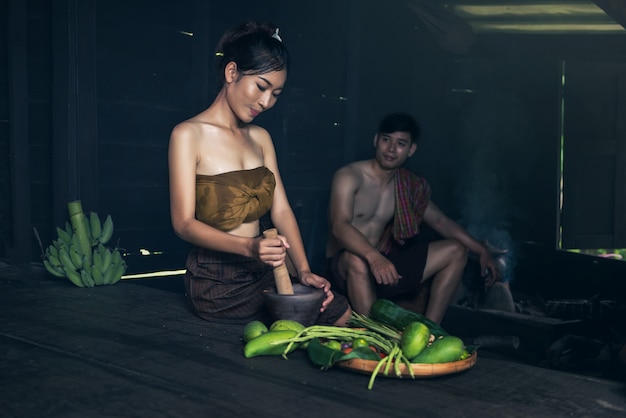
x=374, y=204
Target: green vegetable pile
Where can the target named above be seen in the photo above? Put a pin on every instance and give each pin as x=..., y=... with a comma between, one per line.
x=390, y=335
x=79, y=252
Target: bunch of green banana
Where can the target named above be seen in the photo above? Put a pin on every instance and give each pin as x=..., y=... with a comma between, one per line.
x=79, y=252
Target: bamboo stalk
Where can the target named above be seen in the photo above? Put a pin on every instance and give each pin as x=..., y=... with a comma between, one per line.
x=80, y=227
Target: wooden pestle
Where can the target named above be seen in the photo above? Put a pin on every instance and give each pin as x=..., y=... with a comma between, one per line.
x=281, y=274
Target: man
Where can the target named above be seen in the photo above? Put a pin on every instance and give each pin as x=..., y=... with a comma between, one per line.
x=374, y=247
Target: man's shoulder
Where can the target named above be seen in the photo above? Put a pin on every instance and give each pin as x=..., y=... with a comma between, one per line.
x=355, y=167
x=358, y=164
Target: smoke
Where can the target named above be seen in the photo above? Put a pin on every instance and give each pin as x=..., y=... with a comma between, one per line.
x=489, y=142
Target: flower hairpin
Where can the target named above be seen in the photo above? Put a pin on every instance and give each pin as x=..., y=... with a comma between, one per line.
x=275, y=35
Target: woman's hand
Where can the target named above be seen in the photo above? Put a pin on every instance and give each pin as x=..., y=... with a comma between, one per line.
x=272, y=251
x=313, y=280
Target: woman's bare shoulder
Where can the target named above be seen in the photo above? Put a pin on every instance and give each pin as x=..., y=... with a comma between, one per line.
x=258, y=133
x=193, y=130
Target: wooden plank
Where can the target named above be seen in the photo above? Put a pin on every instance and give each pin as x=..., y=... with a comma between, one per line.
x=616, y=9
x=535, y=334
x=75, y=139
x=132, y=350
x=21, y=241
x=202, y=45
x=620, y=162
x=85, y=54
x=64, y=174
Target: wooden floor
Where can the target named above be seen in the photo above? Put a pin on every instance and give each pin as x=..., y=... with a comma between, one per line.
x=132, y=350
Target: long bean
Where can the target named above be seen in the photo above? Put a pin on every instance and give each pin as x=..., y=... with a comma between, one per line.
x=383, y=338
x=408, y=364
x=337, y=333
x=391, y=356
x=380, y=364
x=396, y=364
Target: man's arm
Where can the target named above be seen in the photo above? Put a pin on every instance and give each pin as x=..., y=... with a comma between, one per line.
x=447, y=228
x=344, y=187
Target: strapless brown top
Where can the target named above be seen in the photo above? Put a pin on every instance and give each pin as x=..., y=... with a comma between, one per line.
x=227, y=200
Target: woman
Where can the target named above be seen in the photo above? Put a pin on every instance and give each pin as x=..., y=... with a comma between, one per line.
x=224, y=176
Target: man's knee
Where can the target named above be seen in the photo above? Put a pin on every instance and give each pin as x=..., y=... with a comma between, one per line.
x=354, y=266
x=459, y=252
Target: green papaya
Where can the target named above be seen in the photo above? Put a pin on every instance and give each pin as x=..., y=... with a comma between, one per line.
x=289, y=324
x=414, y=339
x=442, y=350
x=253, y=329
x=262, y=345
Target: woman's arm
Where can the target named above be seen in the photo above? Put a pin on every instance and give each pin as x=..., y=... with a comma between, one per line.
x=281, y=213
x=285, y=222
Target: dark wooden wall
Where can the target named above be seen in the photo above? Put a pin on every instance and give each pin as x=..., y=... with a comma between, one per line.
x=91, y=90
x=5, y=173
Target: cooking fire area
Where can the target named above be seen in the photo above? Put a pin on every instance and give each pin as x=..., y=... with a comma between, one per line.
x=537, y=316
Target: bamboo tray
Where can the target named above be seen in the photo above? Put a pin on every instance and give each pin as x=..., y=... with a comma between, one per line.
x=419, y=370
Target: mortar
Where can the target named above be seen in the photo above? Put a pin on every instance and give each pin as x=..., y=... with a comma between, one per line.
x=303, y=306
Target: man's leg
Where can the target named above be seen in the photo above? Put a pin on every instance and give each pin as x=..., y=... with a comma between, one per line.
x=360, y=289
x=445, y=264
x=418, y=302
